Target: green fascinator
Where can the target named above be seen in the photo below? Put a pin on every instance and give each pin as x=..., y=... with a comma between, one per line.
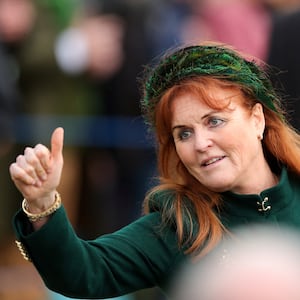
x=217, y=61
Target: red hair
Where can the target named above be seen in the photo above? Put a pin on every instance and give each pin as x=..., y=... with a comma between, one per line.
x=281, y=142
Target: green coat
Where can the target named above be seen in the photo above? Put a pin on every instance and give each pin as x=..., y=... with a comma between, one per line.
x=142, y=254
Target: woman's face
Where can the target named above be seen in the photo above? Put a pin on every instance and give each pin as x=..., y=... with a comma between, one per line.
x=220, y=148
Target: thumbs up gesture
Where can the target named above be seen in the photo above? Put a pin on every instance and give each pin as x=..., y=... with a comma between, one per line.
x=37, y=172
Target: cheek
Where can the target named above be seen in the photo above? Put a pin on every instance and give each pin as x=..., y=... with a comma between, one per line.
x=184, y=152
x=244, y=150
x=235, y=143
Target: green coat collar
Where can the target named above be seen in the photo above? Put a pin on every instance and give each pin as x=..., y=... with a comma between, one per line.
x=279, y=204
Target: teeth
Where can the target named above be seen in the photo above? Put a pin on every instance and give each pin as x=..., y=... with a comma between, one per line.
x=212, y=161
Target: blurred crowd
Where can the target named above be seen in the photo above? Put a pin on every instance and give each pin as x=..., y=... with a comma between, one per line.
x=77, y=64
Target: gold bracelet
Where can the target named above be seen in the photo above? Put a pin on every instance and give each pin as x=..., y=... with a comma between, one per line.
x=36, y=217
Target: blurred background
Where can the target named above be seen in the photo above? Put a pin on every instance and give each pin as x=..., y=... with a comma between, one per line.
x=77, y=64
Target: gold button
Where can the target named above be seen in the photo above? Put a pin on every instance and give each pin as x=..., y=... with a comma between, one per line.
x=23, y=251
x=263, y=205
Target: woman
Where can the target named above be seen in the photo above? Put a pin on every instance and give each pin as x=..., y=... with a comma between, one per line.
x=226, y=158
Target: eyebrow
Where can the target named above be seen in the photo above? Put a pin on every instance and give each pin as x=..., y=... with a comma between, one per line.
x=177, y=127
x=202, y=118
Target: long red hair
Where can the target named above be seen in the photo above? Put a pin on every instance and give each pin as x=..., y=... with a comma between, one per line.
x=281, y=143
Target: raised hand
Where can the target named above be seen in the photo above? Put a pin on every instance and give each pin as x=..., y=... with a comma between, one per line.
x=37, y=172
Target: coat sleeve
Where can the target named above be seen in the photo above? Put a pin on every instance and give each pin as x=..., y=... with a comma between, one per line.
x=140, y=255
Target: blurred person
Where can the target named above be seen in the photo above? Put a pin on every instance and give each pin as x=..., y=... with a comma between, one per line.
x=16, y=22
x=17, y=18
x=244, y=24
x=96, y=43
x=258, y=262
x=226, y=157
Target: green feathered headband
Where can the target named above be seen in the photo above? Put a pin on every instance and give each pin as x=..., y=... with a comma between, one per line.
x=217, y=61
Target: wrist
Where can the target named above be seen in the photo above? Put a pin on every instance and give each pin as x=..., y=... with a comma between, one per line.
x=36, y=206
x=35, y=214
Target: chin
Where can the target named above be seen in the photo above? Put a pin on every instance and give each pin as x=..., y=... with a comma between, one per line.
x=219, y=188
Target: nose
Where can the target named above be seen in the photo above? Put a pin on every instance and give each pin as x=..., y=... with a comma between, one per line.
x=203, y=140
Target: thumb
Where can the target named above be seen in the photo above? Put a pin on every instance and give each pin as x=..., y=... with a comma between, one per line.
x=57, y=142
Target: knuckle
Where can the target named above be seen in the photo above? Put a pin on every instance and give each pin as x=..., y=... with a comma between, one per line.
x=12, y=168
x=29, y=169
x=28, y=150
x=14, y=172
x=20, y=158
x=31, y=159
x=40, y=150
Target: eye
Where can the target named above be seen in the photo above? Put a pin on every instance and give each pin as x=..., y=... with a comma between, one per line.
x=183, y=134
x=215, y=122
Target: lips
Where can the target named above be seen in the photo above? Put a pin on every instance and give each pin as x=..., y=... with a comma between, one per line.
x=211, y=161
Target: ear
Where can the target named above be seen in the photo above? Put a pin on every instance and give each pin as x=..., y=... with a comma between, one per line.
x=258, y=117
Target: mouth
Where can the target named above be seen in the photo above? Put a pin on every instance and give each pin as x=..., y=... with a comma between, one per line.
x=212, y=161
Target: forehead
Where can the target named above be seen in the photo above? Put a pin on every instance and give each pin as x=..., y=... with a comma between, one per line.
x=212, y=98
x=215, y=93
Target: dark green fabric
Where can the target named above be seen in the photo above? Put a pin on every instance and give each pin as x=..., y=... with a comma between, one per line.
x=284, y=200
x=143, y=254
